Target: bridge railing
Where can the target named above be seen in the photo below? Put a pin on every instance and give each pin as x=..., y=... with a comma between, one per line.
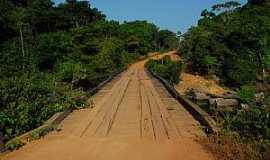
x=199, y=114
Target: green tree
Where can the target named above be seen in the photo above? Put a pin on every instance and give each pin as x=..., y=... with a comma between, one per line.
x=236, y=38
x=166, y=40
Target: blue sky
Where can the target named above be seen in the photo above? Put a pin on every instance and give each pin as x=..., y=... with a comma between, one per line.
x=176, y=15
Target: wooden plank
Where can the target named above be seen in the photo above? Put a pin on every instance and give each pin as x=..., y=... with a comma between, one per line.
x=158, y=125
x=100, y=110
x=147, y=130
x=168, y=122
x=109, y=118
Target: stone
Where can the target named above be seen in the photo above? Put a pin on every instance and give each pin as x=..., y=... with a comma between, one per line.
x=244, y=106
x=230, y=95
x=199, y=96
x=212, y=102
x=220, y=102
x=259, y=96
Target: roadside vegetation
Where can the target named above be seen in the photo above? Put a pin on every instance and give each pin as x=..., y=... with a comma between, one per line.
x=232, y=44
x=166, y=68
x=50, y=56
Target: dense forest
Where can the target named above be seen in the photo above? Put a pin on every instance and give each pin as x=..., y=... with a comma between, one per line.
x=231, y=44
x=50, y=56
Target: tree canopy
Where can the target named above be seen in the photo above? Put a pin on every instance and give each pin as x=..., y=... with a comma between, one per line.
x=232, y=43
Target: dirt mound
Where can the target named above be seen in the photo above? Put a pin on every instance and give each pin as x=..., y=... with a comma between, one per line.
x=189, y=81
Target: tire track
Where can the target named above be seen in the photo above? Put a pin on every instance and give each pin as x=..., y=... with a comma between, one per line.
x=147, y=127
x=98, y=109
x=97, y=120
x=98, y=127
x=169, y=125
x=115, y=113
x=158, y=125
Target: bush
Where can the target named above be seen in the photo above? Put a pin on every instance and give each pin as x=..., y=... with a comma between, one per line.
x=28, y=101
x=166, y=68
x=15, y=144
x=129, y=58
x=71, y=72
x=246, y=93
x=251, y=123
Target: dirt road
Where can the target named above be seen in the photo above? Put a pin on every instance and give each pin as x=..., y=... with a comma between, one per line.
x=134, y=118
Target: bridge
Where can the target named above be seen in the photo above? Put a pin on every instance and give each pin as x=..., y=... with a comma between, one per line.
x=134, y=117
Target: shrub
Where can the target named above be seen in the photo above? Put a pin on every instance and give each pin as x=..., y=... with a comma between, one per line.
x=71, y=72
x=166, y=68
x=253, y=123
x=14, y=144
x=246, y=93
x=28, y=101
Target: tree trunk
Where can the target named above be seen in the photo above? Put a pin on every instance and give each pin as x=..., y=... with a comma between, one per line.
x=22, y=45
x=77, y=24
x=263, y=72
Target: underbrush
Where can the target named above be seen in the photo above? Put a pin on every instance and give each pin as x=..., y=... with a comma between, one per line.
x=29, y=100
x=166, y=68
x=232, y=147
x=245, y=129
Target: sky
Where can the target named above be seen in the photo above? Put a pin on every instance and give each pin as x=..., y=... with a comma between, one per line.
x=175, y=15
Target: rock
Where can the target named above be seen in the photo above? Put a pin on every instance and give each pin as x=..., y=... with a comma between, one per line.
x=230, y=95
x=244, y=106
x=227, y=95
x=259, y=97
x=221, y=102
x=212, y=102
x=199, y=96
x=226, y=102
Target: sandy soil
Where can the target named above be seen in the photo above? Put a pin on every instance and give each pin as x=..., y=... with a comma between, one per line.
x=189, y=81
x=134, y=118
x=172, y=54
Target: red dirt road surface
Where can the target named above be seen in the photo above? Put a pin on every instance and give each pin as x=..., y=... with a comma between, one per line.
x=134, y=118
